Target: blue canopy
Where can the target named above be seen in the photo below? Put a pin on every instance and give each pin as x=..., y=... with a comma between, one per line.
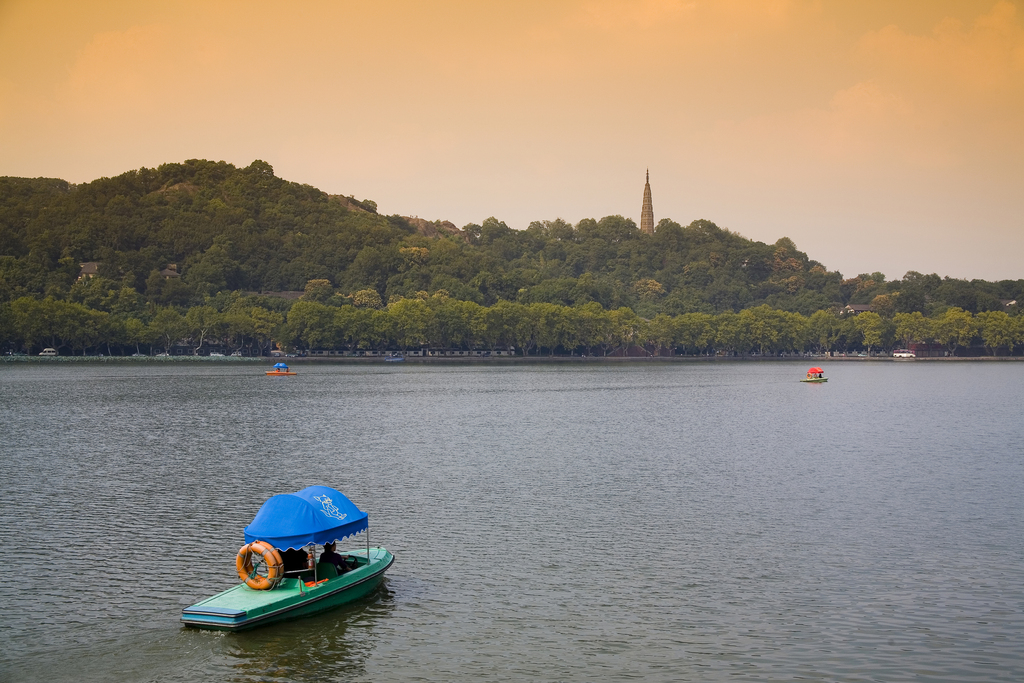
x=280, y=365
x=316, y=514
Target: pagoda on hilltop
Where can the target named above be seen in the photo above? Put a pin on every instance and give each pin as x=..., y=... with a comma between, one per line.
x=647, y=211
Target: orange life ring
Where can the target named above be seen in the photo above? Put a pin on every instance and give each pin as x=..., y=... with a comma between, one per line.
x=244, y=565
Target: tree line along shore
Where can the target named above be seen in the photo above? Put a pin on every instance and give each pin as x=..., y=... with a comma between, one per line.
x=439, y=322
x=204, y=255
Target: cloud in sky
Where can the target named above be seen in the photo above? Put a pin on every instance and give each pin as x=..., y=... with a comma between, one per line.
x=878, y=135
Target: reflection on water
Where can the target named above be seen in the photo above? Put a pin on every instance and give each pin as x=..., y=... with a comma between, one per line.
x=330, y=646
x=665, y=522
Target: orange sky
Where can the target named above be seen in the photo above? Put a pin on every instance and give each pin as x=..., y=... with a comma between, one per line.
x=878, y=135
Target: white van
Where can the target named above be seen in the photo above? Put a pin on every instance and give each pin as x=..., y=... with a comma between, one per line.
x=48, y=352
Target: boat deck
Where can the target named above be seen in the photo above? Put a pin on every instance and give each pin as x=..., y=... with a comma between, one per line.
x=243, y=607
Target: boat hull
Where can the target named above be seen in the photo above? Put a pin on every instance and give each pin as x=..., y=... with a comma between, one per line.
x=815, y=380
x=240, y=608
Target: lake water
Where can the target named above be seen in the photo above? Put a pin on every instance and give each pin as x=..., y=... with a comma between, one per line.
x=611, y=522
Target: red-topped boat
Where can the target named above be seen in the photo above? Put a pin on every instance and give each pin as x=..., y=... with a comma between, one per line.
x=815, y=376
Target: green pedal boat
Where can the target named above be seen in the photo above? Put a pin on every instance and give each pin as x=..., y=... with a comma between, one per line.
x=285, y=584
x=815, y=376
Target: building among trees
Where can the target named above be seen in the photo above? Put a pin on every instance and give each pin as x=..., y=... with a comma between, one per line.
x=89, y=269
x=647, y=210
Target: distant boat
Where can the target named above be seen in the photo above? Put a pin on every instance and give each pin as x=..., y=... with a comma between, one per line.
x=279, y=370
x=815, y=376
x=395, y=358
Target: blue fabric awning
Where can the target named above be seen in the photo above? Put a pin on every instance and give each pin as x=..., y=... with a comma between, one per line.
x=316, y=514
x=281, y=366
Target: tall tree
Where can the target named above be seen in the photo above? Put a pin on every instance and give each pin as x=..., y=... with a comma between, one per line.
x=912, y=327
x=168, y=326
x=823, y=330
x=202, y=322
x=955, y=328
x=411, y=320
x=871, y=328
x=695, y=331
x=997, y=329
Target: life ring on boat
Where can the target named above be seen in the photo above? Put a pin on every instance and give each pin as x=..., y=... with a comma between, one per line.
x=244, y=565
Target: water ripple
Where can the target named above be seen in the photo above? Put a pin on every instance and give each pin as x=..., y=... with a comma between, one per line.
x=626, y=522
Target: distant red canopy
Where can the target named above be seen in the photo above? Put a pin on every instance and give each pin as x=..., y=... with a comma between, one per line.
x=815, y=370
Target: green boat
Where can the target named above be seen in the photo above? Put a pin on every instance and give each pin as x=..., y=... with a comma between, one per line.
x=815, y=376
x=273, y=588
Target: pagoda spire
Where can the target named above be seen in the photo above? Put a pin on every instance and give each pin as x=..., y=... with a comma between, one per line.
x=647, y=210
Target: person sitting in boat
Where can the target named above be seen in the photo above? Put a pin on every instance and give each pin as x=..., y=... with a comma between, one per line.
x=328, y=555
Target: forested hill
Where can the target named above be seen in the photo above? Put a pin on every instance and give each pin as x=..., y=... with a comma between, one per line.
x=225, y=229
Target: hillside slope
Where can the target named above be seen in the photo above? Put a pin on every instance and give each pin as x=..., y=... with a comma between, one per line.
x=226, y=229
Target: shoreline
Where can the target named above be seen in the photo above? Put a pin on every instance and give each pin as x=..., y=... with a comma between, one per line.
x=502, y=360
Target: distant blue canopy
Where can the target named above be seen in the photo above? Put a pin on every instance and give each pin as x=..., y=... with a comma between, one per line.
x=280, y=365
x=316, y=514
